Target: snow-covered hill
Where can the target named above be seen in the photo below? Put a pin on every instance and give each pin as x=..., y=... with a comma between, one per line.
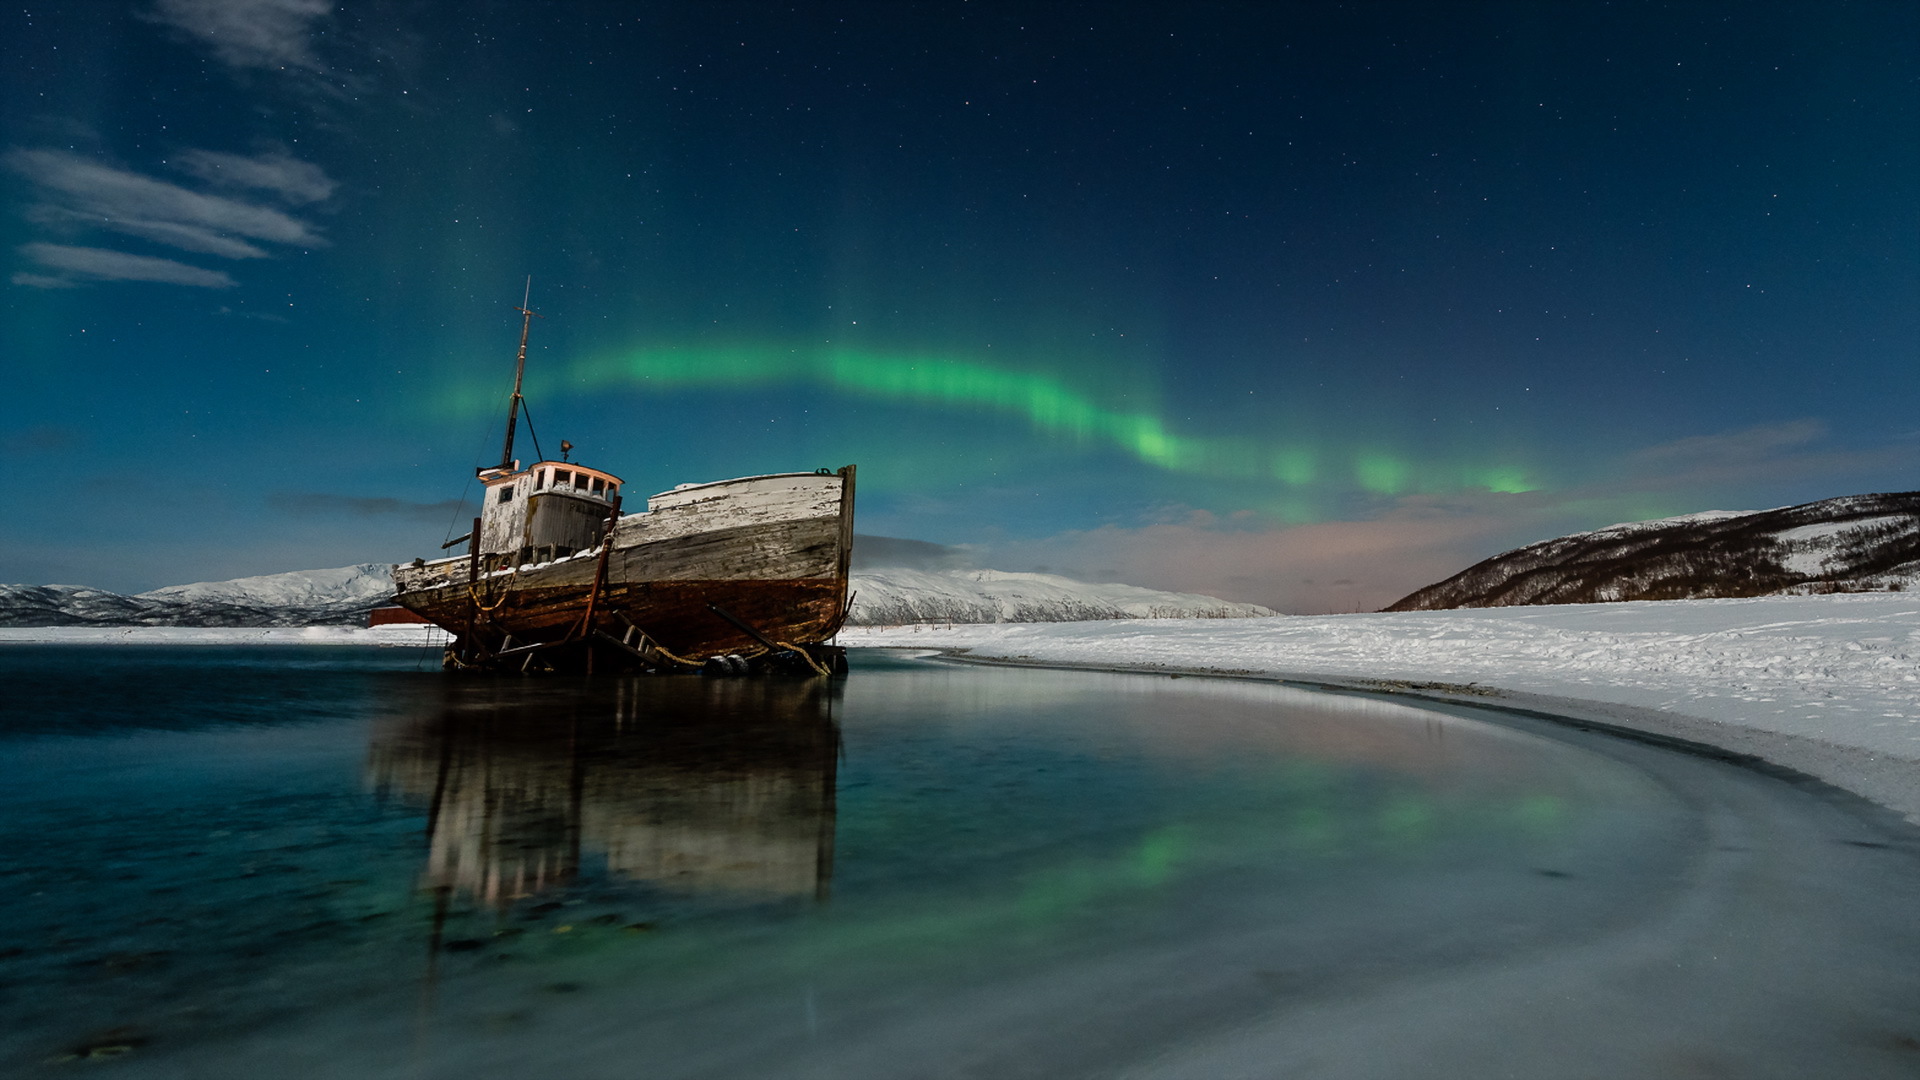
x=1857, y=543
x=338, y=597
x=365, y=585
x=343, y=596
x=895, y=596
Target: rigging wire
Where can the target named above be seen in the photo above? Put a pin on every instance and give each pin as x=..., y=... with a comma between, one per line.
x=517, y=399
x=459, y=511
x=485, y=437
x=460, y=506
x=539, y=454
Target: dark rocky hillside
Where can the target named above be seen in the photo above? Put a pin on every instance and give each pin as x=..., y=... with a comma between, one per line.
x=1857, y=543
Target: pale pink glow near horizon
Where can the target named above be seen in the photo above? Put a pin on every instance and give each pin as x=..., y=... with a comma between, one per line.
x=1302, y=570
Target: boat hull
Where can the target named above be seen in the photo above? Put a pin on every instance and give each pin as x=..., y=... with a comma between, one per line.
x=752, y=567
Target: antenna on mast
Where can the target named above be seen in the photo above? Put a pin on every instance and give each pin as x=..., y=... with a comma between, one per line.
x=519, y=372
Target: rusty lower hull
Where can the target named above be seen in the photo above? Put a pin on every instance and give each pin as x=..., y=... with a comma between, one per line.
x=653, y=624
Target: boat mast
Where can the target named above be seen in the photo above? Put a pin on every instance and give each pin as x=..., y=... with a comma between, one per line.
x=519, y=371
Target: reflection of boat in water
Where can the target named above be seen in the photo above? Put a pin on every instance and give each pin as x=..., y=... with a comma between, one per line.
x=555, y=575
x=693, y=786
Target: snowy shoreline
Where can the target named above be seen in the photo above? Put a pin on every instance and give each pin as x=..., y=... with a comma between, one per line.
x=1826, y=685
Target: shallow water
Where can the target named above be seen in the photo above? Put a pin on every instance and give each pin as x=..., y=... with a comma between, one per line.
x=341, y=862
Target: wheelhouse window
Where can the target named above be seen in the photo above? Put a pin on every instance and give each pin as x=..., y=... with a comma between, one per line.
x=599, y=486
x=562, y=476
x=506, y=493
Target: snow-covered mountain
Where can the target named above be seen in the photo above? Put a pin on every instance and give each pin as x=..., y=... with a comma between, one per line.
x=338, y=597
x=351, y=587
x=342, y=597
x=1856, y=543
x=895, y=596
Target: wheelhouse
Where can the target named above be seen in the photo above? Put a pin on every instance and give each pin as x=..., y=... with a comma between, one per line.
x=546, y=511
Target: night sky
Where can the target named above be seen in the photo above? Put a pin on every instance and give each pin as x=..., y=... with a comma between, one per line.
x=1302, y=304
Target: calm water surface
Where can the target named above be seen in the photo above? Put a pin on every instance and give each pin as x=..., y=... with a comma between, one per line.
x=341, y=862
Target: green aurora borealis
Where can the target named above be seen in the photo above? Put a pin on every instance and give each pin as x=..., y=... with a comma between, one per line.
x=1299, y=305
x=1049, y=407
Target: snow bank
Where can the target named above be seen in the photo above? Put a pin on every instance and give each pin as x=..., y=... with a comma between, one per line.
x=1839, y=671
x=1808, y=665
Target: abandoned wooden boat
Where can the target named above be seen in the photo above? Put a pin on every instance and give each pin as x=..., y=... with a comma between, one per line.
x=729, y=576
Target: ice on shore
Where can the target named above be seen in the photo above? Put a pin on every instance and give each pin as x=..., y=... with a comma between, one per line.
x=1843, y=668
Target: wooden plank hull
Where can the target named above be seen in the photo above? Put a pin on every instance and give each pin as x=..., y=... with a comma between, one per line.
x=773, y=552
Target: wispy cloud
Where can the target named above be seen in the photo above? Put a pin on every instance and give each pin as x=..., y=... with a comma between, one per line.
x=41, y=439
x=174, y=234
x=101, y=264
x=326, y=505
x=296, y=181
x=265, y=34
x=130, y=202
x=42, y=281
x=1301, y=569
x=1741, y=445
x=892, y=551
x=78, y=193
x=1753, y=460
